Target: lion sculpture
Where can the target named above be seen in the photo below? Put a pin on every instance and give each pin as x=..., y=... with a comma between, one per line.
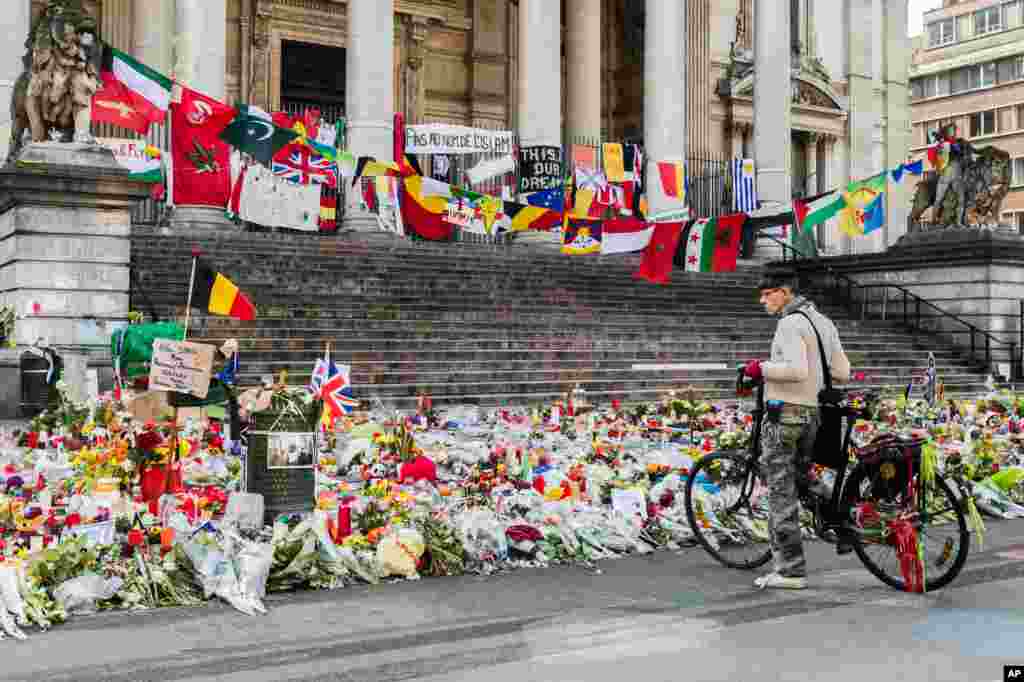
x=53, y=97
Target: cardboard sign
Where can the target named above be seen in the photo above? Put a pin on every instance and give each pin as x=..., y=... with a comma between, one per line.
x=540, y=168
x=181, y=366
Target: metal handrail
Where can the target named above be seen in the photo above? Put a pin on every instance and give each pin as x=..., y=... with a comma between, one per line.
x=1016, y=362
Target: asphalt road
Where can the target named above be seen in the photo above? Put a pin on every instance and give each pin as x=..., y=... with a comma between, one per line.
x=665, y=616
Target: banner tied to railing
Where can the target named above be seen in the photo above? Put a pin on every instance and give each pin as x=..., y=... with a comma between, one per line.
x=441, y=138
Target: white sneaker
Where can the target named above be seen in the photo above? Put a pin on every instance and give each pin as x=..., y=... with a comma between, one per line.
x=781, y=582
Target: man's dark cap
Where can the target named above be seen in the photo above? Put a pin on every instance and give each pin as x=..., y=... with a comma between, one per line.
x=778, y=280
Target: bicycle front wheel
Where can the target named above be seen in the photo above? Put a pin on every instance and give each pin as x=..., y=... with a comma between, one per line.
x=941, y=528
x=727, y=507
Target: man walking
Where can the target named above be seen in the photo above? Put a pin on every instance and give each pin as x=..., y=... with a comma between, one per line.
x=793, y=378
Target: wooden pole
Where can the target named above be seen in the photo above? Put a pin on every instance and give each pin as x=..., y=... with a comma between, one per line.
x=191, y=285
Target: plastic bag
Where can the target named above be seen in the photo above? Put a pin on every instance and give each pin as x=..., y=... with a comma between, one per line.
x=399, y=551
x=483, y=536
x=10, y=598
x=79, y=595
x=253, y=567
x=991, y=500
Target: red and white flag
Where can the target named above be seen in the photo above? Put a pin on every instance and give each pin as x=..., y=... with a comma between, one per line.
x=625, y=235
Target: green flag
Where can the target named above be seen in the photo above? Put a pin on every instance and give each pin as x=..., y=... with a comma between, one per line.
x=253, y=133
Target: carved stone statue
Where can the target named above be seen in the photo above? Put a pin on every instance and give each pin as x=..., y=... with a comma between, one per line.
x=61, y=75
x=969, y=191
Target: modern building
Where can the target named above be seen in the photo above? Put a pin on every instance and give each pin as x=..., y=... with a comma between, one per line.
x=968, y=69
x=814, y=90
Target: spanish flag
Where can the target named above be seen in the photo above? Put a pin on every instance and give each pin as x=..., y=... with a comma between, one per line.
x=215, y=293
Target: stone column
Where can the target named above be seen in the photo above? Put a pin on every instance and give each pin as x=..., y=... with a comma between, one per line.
x=772, y=101
x=201, y=45
x=897, y=118
x=863, y=106
x=827, y=233
x=369, y=89
x=539, y=115
x=153, y=34
x=811, y=158
x=665, y=80
x=15, y=24
x=583, y=62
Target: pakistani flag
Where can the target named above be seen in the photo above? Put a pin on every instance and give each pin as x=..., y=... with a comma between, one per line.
x=254, y=133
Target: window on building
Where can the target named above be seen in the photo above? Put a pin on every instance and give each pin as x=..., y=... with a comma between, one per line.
x=965, y=26
x=988, y=20
x=1011, y=69
x=960, y=79
x=983, y=123
x=1020, y=117
x=1011, y=14
x=1017, y=172
x=940, y=33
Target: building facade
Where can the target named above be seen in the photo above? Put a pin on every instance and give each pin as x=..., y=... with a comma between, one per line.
x=814, y=90
x=968, y=69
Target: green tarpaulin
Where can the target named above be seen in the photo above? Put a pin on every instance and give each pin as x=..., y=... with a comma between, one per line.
x=132, y=346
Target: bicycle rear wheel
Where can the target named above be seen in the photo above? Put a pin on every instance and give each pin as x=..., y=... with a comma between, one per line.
x=943, y=532
x=727, y=507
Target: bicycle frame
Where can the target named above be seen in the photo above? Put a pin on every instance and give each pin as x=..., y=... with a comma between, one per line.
x=832, y=508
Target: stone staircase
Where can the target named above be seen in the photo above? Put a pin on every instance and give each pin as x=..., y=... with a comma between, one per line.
x=492, y=324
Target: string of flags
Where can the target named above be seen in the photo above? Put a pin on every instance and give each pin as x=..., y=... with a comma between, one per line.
x=283, y=170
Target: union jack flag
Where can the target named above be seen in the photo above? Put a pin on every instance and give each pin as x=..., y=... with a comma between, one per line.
x=322, y=371
x=302, y=165
x=337, y=392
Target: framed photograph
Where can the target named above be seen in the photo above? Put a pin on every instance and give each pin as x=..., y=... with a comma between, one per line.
x=291, y=450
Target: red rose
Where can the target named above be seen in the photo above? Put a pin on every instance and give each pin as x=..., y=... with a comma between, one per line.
x=216, y=442
x=33, y=440
x=148, y=440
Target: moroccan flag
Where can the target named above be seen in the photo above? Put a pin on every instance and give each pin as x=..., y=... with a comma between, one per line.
x=656, y=266
x=673, y=179
x=526, y=217
x=215, y=293
x=712, y=245
x=201, y=161
x=424, y=216
x=254, y=133
x=816, y=210
x=132, y=95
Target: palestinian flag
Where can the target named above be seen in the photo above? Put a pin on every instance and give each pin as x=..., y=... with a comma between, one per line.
x=816, y=210
x=214, y=293
x=132, y=95
x=712, y=245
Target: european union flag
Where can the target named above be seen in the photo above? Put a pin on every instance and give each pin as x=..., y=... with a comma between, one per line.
x=553, y=199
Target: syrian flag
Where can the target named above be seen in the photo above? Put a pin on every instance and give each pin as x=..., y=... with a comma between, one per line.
x=625, y=235
x=712, y=245
x=132, y=96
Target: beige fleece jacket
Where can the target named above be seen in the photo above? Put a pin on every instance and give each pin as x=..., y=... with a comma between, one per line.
x=794, y=374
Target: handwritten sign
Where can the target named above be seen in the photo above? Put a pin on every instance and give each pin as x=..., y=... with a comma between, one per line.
x=181, y=366
x=460, y=215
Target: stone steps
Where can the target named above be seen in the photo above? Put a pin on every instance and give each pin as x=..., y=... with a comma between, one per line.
x=494, y=324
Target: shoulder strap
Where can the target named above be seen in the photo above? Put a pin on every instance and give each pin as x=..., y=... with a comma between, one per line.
x=825, y=369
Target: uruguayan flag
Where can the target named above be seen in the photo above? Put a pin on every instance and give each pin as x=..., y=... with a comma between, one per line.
x=744, y=192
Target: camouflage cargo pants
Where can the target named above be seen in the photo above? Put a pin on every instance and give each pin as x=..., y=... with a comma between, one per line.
x=787, y=448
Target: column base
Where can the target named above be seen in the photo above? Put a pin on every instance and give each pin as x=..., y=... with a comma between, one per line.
x=186, y=219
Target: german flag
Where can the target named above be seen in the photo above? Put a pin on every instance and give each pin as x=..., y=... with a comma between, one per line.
x=215, y=293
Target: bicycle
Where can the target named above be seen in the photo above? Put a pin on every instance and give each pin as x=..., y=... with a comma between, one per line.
x=871, y=507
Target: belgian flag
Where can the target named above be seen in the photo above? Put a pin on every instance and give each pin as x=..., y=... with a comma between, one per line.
x=216, y=294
